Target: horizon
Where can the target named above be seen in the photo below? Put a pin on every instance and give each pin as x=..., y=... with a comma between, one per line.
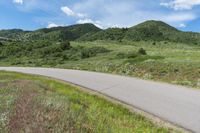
x=96, y=26
x=36, y=14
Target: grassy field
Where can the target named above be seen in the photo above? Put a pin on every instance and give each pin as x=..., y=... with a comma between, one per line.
x=174, y=63
x=37, y=104
x=168, y=62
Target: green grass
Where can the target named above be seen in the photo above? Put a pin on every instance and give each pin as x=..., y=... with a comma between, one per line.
x=165, y=61
x=38, y=104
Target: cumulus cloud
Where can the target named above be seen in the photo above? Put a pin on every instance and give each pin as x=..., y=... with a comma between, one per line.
x=129, y=13
x=118, y=13
x=51, y=25
x=18, y=2
x=182, y=25
x=179, y=17
x=181, y=4
x=69, y=12
x=96, y=23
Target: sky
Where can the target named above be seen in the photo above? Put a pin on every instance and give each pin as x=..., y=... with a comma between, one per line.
x=35, y=14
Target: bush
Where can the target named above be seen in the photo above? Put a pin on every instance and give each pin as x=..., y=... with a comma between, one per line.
x=142, y=51
x=50, y=50
x=126, y=55
x=65, y=45
x=1, y=44
x=90, y=52
x=86, y=53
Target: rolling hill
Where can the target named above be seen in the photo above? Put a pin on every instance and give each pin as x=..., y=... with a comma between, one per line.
x=146, y=31
x=160, y=31
x=52, y=34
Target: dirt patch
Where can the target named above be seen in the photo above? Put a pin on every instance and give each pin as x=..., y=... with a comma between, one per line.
x=23, y=110
x=2, y=85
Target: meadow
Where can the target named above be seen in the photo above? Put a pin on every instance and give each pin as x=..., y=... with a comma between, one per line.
x=163, y=61
x=167, y=62
x=38, y=104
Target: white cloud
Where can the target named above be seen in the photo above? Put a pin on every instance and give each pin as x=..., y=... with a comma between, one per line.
x=182, y=25
x=181, y=4
x=18, y=2
x=118, y=13
x=96, y=23
x=179, y=17
x=51, y=25
x=69, y=12
x=80, y=15
x=130, y=12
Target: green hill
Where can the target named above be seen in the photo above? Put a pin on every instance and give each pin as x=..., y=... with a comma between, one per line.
x=160, y=31
x=62, y=33
x=146, y=31
x=108, y=34
x=150, y=30
x=52, y=34
x=12, y=34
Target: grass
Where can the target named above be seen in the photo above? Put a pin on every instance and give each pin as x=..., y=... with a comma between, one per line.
x=38, y=104
x=174, y=63
x=165, y=61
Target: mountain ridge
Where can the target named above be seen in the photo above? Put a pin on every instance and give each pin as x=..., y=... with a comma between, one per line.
x=150, y=30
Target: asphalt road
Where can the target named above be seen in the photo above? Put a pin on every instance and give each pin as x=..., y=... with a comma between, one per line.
x=176, y=104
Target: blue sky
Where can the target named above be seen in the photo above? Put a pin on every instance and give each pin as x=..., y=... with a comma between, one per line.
x=34, y=14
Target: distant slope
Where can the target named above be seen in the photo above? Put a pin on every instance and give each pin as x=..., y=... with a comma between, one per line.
x=150, y=30
x=12, y=34
x=53, y=34
x=160, y=31
x=146, y=31
x=62, y=33
x=108, y=34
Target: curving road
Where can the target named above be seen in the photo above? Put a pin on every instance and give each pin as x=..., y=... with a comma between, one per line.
x=176, y=104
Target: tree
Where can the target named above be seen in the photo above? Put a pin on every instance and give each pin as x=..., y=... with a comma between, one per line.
x=1, y=44
x=65, y=45
x=142, y=51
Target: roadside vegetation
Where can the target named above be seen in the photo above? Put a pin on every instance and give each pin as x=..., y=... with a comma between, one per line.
x=151, y=50
x=38, y=104
x=170, y=62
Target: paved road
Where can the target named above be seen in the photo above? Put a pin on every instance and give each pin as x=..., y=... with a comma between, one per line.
x=175, y=104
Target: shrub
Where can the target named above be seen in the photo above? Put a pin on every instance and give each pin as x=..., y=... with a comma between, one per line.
x=90, y=52
x=1, y=44
x=86, y=53
x=126, y=55
x=65, y=45
x=50, y=50
x=142, y=51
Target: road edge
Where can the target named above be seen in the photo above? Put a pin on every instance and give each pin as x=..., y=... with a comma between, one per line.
x=153, y=118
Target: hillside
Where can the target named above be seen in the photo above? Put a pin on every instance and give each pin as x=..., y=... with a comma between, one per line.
x=12, y=34
x=62, y=33
x=146, y=31
x=51, y=34
x=108, y=34
x=150, y=30
x=160, y=31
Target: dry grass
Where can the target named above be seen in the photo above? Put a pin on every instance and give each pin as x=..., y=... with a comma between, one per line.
x=37, y=105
